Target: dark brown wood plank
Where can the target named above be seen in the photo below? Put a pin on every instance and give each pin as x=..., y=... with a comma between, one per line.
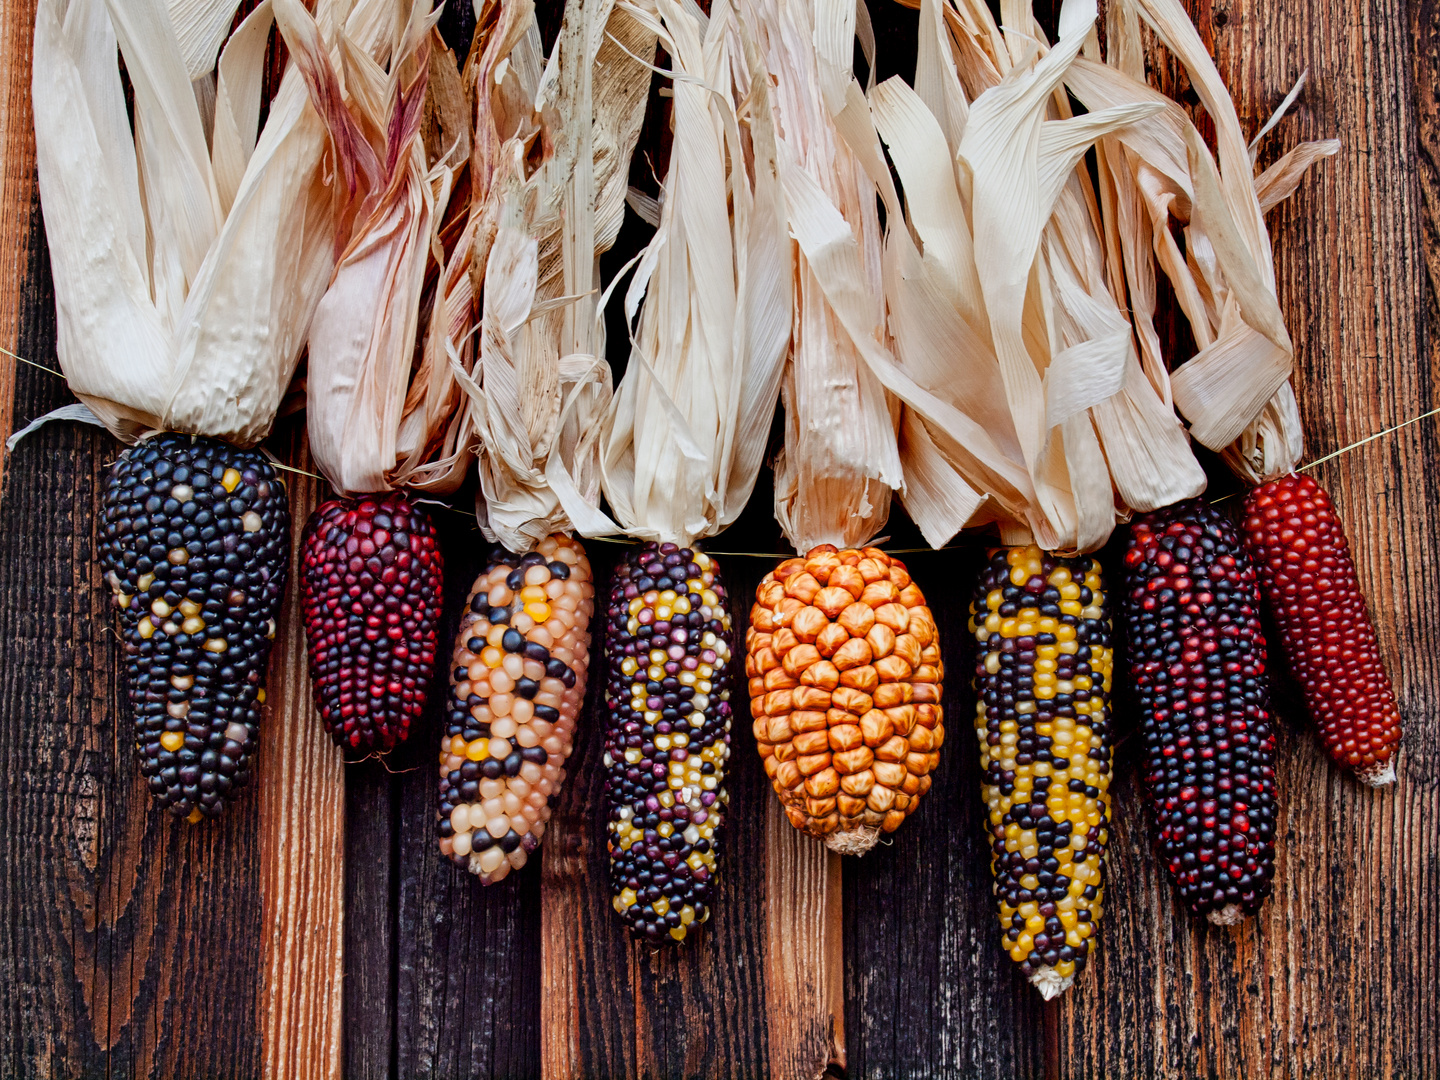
x=930, y=992
x=132, y=940
x=1333, y=978
x=466, y=975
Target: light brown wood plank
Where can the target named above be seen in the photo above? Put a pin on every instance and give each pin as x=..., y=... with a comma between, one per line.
x=804, y=950
x=301, y=785
x=1334, y=978
x=17, y=192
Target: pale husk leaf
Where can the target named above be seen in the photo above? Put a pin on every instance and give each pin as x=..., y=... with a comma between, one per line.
x=687, y=425
x=540, y=387
x=840, y=461
x=183, y=290
x=1007, y=314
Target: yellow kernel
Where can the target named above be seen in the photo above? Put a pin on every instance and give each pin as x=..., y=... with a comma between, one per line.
x=231, y=480
x=172, y=741
x=476, y=751
x=215, y=645
x=539, y=611
x=195, y=817
x=259, y=696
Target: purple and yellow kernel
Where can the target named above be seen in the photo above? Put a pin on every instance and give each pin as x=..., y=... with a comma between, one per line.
x=668, y=642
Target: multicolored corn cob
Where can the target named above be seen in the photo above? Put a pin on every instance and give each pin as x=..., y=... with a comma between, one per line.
x=1197, y=663
x=845, y=676
x=195, y=547
x=516, y=686
x=1043, y=719
x=668, y=644
x=1308, y=579
x=372, y=576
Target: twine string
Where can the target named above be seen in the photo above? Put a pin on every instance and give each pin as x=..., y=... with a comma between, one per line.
x=628, y=542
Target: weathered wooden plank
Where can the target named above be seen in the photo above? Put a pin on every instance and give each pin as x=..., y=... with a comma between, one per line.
x=19, y=213
x=301, y=786
x=467, y=957
x=613, y=1007
x=930, y=992
x=1333, y=978
x=132, y=943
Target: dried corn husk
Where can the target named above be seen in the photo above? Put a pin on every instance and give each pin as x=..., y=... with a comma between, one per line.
x=362, y=338
x=840, y=460
x=551, y=154
x=1027, y=404
x=688, y=424
x=1235, y=391
x=188, y=254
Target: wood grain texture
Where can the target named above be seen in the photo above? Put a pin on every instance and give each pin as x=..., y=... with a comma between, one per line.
x=131, y=941
x=301, y=784
x=930, y=991
x=467, y=957
x=759, y=992
x=1334, y=978
x=18, y=207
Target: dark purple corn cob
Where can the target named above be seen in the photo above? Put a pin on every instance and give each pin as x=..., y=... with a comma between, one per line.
x=195, y=547
x=668, y=645
x=1197, y=663
x=372, y=576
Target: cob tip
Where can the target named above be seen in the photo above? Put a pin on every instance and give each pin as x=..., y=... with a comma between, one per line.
x=1050, y=982
x=1379, y=774
x=1229, y=915
x=852, y=841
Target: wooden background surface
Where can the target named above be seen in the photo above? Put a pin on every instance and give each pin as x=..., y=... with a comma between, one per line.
x=314, y=932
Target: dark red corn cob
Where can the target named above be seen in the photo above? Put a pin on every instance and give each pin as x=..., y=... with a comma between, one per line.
x=668, y=646
x=1308, y=579
x=372, y=576
x=196, y=548
x=1197, y=663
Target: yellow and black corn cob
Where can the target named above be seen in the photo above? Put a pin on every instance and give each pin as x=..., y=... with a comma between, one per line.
x=516, y=686
x=196, y=549
x=668, y=647
x=1043, y=720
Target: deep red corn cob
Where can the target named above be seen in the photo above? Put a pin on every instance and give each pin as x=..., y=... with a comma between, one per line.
x=1197, y=663
x=516, y=686
x=196, y=548
x=668, y=645
x=372, y=576
x=1308, y=579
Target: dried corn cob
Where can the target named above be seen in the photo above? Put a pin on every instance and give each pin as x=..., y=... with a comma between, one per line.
x=372, y=575
x=844, y=668
x=667, y=641
x=1043, y=719
x=1197, y=662
x=1308, y=579
x=516, y=687
x=196, y=547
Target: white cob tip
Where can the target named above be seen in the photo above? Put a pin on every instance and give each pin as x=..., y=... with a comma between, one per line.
x=852, y=841
x=1051, y=983
x=1377, y=775
x=1229, y=915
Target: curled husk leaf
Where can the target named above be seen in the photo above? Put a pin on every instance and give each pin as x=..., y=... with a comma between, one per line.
x=840, y=460
x=189, y=251
x=688, y=424
x=1027, y=402
x=1235, y=391
x=552, y=146
x=375, y=421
